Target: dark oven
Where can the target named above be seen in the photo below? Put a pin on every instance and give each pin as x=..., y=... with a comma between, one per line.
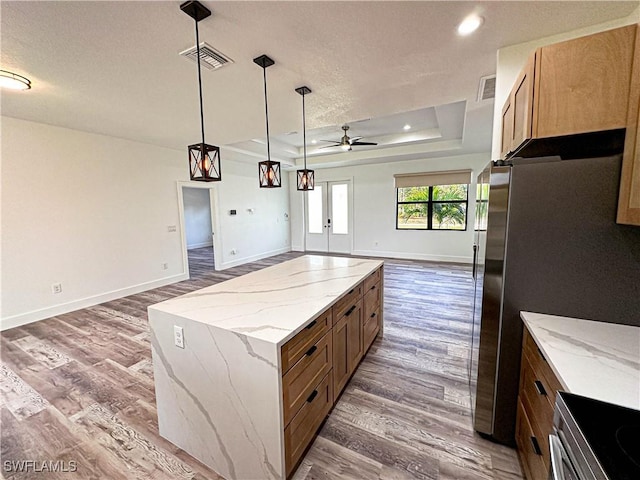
x=594, y=440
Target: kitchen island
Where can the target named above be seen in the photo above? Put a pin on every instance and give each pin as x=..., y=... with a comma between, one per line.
x=264, y=358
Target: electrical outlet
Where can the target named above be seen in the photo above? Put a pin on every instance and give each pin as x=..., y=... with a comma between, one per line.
x=171, y=228
x=56, y=288
x=233, y=251
x=178, y=336
x=164, y=266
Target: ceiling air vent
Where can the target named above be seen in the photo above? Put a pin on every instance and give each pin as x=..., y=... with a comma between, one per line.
x=487, y=89
x=209, y=57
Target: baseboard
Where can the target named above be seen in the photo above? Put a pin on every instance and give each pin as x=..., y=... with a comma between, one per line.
x=41, y=314
x=414, y=256
x=253, y=258
x=200, y=245
x=297, y=248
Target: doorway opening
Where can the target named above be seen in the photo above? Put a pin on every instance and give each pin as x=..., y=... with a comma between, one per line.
x=198, y=227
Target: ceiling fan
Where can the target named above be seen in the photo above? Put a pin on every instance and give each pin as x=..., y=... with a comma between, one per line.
x=345, y=142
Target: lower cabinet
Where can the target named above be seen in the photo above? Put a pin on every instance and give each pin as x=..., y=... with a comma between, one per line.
x=341, y=372
x=299, y=433
x=536, y=402
x=318, y=362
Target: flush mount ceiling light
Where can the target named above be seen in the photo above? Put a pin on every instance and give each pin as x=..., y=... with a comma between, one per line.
x=407, y=127
x=204, y=159
x=14, y=81
x=268, y=171
x=470, y=24
x=305, y=177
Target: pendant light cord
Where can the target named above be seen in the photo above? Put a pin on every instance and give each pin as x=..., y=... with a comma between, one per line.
x=200, y=82
x=304, y=135
x=266, y=111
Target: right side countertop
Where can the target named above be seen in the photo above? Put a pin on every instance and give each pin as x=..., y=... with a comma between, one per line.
x=594, y=359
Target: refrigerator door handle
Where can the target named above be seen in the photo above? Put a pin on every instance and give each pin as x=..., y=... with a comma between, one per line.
x=475, y=260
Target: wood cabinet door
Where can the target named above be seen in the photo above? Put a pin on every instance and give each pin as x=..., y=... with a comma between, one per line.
x=507, y=128
x=522, y=104
x=582, y=85
x=355, y=331
x=341, y=371
x=629, y=202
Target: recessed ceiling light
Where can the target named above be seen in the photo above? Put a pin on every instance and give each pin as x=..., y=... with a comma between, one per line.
x=470, y=24
x=407, y=127
x=314, y=141
x=14, y=81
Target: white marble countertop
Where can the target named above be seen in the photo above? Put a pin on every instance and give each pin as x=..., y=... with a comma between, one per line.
x=274, y=303
x=594, y=359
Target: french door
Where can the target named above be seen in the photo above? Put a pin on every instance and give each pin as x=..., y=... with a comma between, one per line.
x=328, y=225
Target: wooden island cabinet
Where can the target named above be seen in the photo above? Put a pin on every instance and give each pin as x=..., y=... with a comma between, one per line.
x=265, y=358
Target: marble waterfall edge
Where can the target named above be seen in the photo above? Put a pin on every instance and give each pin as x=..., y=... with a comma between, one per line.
x=220, y=397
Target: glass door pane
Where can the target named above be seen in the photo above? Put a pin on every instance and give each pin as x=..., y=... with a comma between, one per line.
x=340, y=209
x=314, y=213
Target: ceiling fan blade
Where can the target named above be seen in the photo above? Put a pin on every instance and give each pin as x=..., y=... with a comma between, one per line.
x=355, y=139
x=363, y=143
x=331, y=141
x=330, y=146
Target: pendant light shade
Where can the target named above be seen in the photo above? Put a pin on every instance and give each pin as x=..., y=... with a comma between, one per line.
x=204, y=159
x=268, y=171
x=305, y=177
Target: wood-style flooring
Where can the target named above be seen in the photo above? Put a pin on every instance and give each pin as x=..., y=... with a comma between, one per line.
x=78, y=394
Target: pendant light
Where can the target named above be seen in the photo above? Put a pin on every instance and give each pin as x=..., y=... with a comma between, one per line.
x=305, y=177
x=204, y=159
x=268, y=171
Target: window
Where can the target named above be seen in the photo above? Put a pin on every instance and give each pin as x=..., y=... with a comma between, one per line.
x=432, y=201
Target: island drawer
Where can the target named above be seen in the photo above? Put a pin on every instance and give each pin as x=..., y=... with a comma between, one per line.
x=372, y=279
x=371, y=300
x=299, y=382
x=346, y=302
x=302, y=429
x=295, y=349
x=371, y=328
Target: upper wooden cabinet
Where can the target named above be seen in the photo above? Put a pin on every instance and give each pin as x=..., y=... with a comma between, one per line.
x=575, y=87
x=629, y=203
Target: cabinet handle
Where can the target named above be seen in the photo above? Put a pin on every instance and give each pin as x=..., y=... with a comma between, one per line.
x=351, y=291
x=311, y=350
x=311, y=324
x=536, y=446
x=539, y=387
x=350, y=311
x=373, y=288
x=312, y=396
x=372, y=315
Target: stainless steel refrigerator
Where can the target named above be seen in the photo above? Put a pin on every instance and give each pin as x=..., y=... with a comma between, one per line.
x=547, y=243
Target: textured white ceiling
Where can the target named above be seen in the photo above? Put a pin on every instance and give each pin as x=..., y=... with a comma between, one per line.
x=113, y=67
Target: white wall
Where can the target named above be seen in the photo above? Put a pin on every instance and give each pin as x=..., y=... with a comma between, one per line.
x=374, y=211
x=255, y=234
x=511, y=60
x=197, y=217
x=92, y=212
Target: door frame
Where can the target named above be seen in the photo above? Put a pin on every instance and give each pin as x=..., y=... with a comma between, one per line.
x=215, y=223
x=351, y=222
